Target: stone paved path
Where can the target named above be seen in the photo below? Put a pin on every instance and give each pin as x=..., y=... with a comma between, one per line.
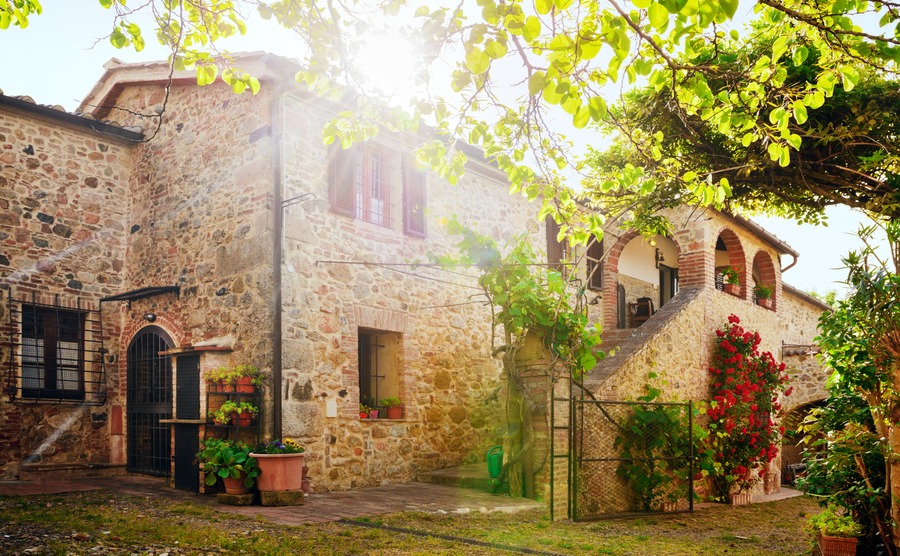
x=328, y=506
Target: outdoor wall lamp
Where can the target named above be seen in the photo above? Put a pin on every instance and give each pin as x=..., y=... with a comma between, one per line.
x=659, y=257
x=149, y=317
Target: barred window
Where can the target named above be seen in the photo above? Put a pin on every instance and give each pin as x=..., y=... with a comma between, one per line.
x=52, y=353
x=56, y=352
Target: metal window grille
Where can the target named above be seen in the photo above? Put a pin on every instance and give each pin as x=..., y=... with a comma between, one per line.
x=56, y=353
x=372, y=366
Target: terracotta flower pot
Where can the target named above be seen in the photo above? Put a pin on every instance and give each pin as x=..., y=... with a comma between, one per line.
x=395, y=412
x=245, y=385
x=244, y=419
x=279, y=472
x=732, y=289
x=373, y=414
x=235, y=486
x=837, y=546
x=363, y=414
x=225, y=386
x=765, y=303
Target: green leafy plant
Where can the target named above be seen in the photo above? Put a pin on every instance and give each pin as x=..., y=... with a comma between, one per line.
x=391, y=402
x=732, y=275
x=833, y=522
x=762, y=291
x=230, y=408
x=227, y=459
x=655, y=449
x=363, y=408
x=231, y=375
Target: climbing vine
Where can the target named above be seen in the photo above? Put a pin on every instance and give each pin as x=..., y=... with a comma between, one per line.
x=529, y=302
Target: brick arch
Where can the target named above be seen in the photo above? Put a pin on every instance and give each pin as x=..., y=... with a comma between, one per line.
x=611, y=276
x=762, y=262
x=737, y=258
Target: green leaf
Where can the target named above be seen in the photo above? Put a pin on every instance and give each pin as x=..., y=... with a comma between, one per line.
x=106, y=3
x=118, y=39
x=785, y=157
x=495, y=49
x=206, y=74
x=800, y=114
x=640, y=4
x=477, y=61
x=597, y=106
x=536, y=82
x=774, y=150
x=729, y=7
x=543, y=6
x=794, y=140
x=582, y=117
x=799, y=55
x=532, y=28
x=659, y=15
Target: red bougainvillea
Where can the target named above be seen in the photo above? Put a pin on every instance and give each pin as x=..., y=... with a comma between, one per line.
x=744, y=408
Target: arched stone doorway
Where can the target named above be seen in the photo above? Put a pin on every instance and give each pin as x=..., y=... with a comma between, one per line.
x=149, y=400
x=730, y=253
x=645, y=275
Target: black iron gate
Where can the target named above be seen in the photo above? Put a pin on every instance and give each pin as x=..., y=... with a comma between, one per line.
x=149, y=401
x=630, y=458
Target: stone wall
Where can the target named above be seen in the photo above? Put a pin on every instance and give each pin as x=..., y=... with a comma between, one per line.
x=339, y=278
x=63, y=197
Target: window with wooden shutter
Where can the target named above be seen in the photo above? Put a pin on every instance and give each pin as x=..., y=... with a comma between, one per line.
x=413, y=198
x=594, y=257
x=556, y=250
x=342, y=184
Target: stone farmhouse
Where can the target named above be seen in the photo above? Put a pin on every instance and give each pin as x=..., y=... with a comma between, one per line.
x=135, y=259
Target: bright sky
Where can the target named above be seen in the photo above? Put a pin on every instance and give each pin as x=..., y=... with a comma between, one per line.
x=59, y=57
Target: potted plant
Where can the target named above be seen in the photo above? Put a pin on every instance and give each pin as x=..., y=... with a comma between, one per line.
x=373, y=413
x=229, y=461
x=834, y=531
x=394, y=407
x=763, y=295
x=732, y=280
x=246, y=378
x=240, y=414
x=363, y=411
x=218, y=379
x=280, y=464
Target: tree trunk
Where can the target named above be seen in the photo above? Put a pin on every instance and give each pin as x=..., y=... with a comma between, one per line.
x=513, y=443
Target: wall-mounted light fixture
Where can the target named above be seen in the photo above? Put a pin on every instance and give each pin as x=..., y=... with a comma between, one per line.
x=149, y=317
x=660, y=258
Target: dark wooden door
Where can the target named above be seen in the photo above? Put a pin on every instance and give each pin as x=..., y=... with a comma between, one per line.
x=187, y=436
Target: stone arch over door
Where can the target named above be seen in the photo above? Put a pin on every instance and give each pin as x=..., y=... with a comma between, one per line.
x=730, y=252
x=148, y=401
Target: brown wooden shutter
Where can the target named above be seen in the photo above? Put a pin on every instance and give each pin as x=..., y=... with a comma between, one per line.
x=413, y=198
x=342, y=189
x=555, y=249
x=594, y=257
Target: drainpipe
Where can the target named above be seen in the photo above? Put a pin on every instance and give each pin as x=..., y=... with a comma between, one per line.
x=788, y=267
x=277, y=250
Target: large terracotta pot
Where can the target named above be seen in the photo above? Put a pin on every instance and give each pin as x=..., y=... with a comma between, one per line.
x=235, y=486
x=395, y=412
x=279, y=472
x=732, y=289
x=837, y=546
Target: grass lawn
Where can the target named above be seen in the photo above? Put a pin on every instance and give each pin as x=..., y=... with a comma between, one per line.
x=103, y=522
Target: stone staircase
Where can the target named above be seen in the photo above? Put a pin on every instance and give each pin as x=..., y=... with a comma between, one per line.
x=474, y=476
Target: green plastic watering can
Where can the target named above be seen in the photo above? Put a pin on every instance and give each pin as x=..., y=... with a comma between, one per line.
x=495, y=461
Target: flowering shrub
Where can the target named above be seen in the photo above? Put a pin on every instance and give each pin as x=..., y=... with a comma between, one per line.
x=744, y=408
x=286, y=446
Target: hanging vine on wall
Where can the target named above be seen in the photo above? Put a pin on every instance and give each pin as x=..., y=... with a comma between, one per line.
x=527, y=300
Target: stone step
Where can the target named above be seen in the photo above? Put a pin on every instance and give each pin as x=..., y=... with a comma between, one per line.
x=474, y=476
